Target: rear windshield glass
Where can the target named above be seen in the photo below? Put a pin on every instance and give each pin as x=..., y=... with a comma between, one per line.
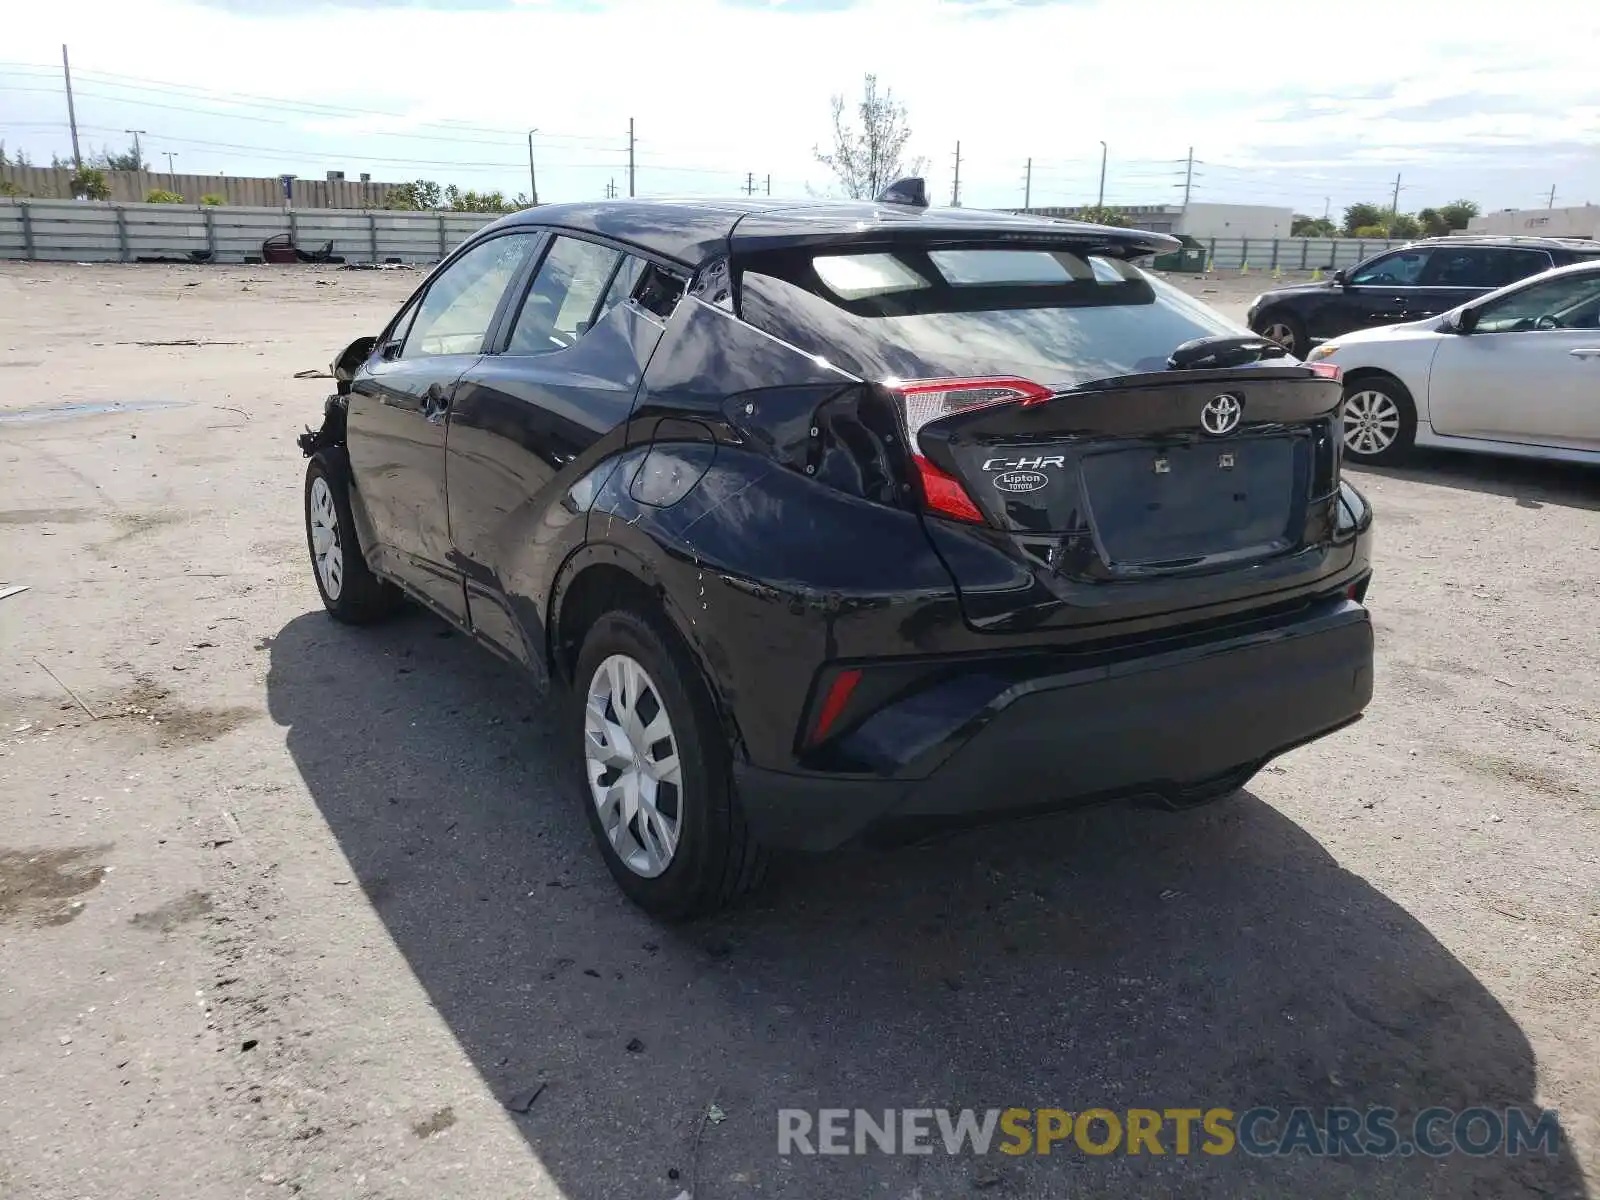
x=1051, y=315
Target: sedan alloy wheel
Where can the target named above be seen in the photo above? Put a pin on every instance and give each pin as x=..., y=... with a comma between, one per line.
x=1371, y=422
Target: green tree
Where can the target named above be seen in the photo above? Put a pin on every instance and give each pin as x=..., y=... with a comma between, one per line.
x=1457, y=213
x=162, y=196
x=1370, y=231
x=89, y=183
x=1101, y=214
x=869, y=159
x=7, y=188
x=419, y=195
x=213, y=200
x=485, y=202
x=1433, y=223
x=129, y=160
x=1312, y=227
x=1404, y=225
x=1358, y=215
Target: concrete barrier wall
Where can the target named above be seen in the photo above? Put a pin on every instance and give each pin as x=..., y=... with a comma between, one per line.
x=1292, y=254
x=84, y=231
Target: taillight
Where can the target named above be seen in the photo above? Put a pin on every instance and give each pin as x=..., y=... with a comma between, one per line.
x=925, y=400
x=844, y=683
x=943, y=493
x=1327, y=370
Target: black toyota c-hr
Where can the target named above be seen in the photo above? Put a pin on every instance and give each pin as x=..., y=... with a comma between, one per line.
x=831, y=518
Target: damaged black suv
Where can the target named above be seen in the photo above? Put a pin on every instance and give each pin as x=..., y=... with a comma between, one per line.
x=832, y=518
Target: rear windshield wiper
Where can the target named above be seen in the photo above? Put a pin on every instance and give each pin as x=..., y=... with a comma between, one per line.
x=1228, y=350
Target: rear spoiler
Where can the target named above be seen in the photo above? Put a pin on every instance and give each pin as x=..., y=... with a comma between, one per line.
x=905, y=225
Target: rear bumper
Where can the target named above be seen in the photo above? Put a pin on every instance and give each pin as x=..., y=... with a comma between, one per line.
x=1176, y=725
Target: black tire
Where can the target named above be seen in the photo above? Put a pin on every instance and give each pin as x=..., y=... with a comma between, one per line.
x=354, y=595
x=716, y=859
x=1290, y=331
x=1367, y=394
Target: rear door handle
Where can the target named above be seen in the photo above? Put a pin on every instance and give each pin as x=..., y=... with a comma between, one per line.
x=1585, y=352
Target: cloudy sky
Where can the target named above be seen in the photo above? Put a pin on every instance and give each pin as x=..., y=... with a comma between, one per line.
x=1295, y=110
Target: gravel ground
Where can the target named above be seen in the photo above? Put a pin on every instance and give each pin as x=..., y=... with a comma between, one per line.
x=302, y=906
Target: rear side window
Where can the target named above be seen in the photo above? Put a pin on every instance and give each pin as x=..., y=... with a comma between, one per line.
x=1519, y=264
x=1052, y=315
x=622, y=284
x=1474, y=267
x=566, y=292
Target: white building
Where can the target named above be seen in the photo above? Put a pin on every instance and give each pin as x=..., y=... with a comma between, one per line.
x=1540, y=222
x=1198, y=220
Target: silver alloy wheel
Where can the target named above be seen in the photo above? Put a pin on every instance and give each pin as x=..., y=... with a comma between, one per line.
x=1280, y=333
x=635, y=778
x=1371, y=422
x=325, y=547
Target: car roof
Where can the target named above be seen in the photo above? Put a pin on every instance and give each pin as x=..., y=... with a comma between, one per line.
x=691, y=231
x=1513, y=241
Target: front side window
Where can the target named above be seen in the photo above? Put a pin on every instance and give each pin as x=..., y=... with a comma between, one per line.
x=565, y=295
x=402, y=329
x=1400, y=269
x=455, y=314
x=1570, y=302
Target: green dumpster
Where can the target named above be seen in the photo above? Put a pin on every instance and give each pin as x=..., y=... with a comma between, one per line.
x=1190, y=257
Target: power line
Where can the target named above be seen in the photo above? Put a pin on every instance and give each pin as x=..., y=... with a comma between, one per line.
x=258, y=100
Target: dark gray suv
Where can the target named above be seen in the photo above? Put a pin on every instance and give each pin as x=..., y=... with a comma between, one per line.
x=1408, y=284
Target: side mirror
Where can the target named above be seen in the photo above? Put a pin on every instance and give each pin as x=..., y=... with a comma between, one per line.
x=1341, y=279
x=350, y=359
x=1462, y=322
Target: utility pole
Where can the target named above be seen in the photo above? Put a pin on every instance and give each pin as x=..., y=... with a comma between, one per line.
x=1327, y=206
x=630, y=158
x=1027, y=187
x=955, y=192
x=72, y=115
x=138, y=155
x=769, y=185
x=1552, y=201
x=172, y=176
x=749, y=183
x=1188, y=179
x=533, y=182
x=1101, y=202
x=1394, y=208
x=611, y=189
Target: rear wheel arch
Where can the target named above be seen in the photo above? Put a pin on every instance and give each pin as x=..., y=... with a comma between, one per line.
x=596, y=580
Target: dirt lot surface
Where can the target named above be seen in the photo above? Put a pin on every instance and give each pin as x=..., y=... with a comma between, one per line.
x=304, y=906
